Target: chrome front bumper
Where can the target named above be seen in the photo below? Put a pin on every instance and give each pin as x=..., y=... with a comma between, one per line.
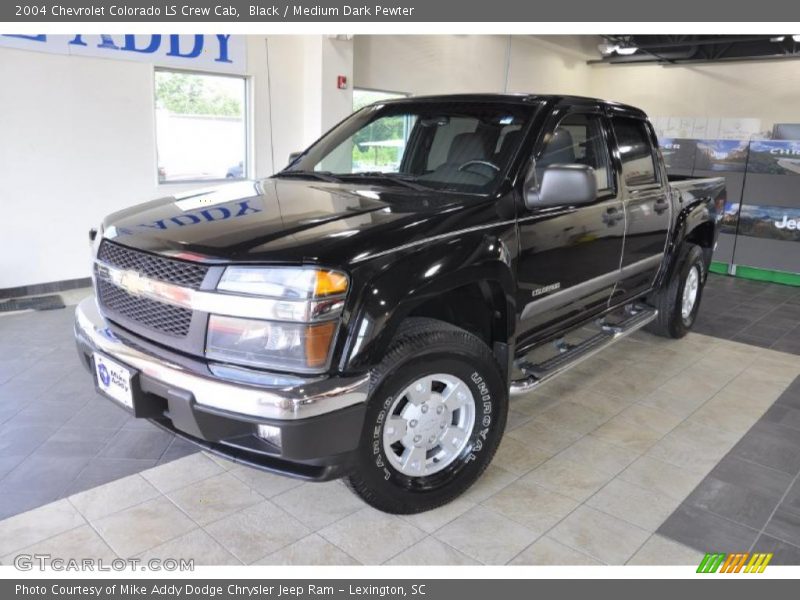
x=303, y=399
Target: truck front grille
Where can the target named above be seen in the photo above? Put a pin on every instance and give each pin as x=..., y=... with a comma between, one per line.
x=165, y=318
x=179, y=272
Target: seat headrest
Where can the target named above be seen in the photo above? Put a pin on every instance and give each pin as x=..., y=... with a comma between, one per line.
x=510, y=142
x=465, y=147
x=560, y=150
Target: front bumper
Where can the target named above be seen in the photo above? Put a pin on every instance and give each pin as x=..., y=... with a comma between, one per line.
x=320, y=419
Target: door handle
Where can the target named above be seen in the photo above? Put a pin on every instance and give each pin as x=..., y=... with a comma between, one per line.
x=661, y=205
x=611, y=216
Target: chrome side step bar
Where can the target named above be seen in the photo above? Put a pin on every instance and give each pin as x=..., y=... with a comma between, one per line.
x=568, y=356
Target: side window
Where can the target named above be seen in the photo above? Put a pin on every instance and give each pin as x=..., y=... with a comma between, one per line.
x=636, y=151
x=578, y=139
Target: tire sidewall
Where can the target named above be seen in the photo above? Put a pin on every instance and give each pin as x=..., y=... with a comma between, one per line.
x=490, y=397
x=692, y=258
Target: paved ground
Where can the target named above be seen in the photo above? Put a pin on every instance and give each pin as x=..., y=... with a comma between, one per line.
x=592, y=466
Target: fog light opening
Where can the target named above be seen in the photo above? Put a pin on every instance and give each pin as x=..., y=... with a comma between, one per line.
x=271, y=434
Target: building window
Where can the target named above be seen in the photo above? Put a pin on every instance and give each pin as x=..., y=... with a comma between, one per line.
x=201, y=126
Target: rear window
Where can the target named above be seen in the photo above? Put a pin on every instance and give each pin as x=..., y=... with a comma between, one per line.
x=636, y=152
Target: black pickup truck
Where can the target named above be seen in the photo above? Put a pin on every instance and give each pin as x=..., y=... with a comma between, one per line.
x=368, y=311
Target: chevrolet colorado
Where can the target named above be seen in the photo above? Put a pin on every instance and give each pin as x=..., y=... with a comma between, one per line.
x=367, y=311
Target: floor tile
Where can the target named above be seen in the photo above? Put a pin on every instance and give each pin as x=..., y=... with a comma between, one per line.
x=568, y=478
x=76, y=544
x=311, y=550
x=493, y=479
x=372, y=537
x=623, y=433
x=519, y=457
x=544, y=437
x=431, y=551
x=214, y=498
x=39, y=472
x=37, y=525
x=432, y=520
x=642, y=507
x=134, y=530
x=107, y=499
x=256, y=531
x=650, y=417
x=785, y=525
x=573, y=417
x=736, y=503
x=182, y=472
x=783, y=553
x=706, y=532
x=486, y=536
x=547, y=551
x=772, y=446
x=319, y=504
x=266, y=484
x=135, y=443
x=531, y=505
x=659, y=551
x=104, y=470
x=197, y=545
x=605, y=538
x=594, y=453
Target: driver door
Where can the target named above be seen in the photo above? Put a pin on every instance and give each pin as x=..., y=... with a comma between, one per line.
x=569, y=258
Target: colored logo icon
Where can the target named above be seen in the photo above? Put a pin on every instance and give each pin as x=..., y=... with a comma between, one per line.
x=104, y=375
x=743, y=562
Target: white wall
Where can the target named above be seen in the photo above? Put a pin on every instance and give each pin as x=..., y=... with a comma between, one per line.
x=768, y=90
x=445, y=64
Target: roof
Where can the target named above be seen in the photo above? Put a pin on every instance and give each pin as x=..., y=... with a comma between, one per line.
x=518, y=98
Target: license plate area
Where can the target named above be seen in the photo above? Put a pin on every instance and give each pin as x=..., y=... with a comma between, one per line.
x=115, y=380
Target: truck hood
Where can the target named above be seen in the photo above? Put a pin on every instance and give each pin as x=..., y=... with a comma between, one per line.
x=287, y=221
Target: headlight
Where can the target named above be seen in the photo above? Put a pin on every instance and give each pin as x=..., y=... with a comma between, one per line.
x=297, y=347
x=299, y=323
x=287, y=283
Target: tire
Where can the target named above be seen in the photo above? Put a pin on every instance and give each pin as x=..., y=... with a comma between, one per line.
x=396, y=470
x=671, y=320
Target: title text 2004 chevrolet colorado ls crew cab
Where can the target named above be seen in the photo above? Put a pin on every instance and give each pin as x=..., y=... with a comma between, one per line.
x=367, y=311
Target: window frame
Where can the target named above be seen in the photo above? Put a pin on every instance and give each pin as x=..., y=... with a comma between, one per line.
x=247, y=112
x=564, y=113
x=659, y=179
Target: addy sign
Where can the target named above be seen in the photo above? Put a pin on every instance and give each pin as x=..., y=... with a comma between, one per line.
x=216, y=52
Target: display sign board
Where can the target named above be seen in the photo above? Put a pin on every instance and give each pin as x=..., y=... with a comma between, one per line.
x=769, y=222
x=774, y=157
x=215, y=52
x=679, y=154
x=721, y=155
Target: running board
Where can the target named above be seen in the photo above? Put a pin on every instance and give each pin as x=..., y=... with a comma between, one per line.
x=569, y=356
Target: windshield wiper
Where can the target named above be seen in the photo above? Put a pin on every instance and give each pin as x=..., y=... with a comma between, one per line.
x=404, y=180
x=321, y=175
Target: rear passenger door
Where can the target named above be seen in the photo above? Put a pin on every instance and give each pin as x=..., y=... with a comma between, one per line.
x=647, y=202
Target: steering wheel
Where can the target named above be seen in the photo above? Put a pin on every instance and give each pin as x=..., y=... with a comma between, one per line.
x=483, y=163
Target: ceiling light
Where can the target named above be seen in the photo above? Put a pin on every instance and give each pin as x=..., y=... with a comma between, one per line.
x=627, y=51
x=605, y=48
x=796, y=37
x=777, y=39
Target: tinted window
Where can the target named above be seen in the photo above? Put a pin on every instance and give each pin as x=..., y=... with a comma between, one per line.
x=578, y=139
x=636, y=151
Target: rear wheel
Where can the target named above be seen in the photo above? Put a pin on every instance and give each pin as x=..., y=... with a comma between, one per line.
x=679, y=299
x=436, y=412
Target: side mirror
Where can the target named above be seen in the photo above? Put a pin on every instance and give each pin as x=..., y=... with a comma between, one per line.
x=293, y=156
x=562, y=185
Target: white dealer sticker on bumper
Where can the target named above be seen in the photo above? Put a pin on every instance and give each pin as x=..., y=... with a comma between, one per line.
x=113, y=379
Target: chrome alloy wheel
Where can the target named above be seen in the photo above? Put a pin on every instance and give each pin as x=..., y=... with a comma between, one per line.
x=429, y=424
x=690, y=289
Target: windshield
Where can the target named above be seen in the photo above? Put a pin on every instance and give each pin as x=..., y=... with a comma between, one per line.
x=450, y=146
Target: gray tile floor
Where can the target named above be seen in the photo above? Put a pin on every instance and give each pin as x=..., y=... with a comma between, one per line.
x=57, y=436
x=752, y=312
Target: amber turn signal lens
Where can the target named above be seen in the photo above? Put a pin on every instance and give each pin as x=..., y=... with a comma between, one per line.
x=318, y=343
x=330, y=283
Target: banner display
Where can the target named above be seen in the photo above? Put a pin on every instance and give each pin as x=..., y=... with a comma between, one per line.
x=215, y=52
x=721, y=155
x=774, y=157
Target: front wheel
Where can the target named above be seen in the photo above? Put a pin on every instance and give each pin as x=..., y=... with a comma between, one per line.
x=679, y=300
x=436, y=412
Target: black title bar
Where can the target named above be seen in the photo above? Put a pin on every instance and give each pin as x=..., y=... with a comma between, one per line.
x=266, y=11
